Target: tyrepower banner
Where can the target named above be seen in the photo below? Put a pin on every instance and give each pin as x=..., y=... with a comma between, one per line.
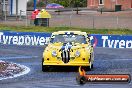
x=111, y=41
x=24, y=38
x=32, y=38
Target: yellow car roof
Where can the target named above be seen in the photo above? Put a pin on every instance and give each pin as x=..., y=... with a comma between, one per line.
x=70, y=32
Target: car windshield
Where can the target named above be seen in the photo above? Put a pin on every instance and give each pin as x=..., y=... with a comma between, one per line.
x=68, y=38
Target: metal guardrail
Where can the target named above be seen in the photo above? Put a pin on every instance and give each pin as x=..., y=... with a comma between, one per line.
x=63, y=9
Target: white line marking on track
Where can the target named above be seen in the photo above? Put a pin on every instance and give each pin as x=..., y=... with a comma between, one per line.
x=18, y=57
x=114, y=60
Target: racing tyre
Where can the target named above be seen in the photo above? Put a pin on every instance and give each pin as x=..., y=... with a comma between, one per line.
x=81, y=80
x=44, y=68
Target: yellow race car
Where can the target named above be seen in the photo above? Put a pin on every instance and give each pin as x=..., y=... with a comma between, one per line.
x=68, y=48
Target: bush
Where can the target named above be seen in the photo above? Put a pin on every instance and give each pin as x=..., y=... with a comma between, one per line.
x=40, y=4
x=30, y=3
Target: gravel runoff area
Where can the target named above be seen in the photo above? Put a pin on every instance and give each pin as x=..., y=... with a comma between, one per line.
x=11, y=70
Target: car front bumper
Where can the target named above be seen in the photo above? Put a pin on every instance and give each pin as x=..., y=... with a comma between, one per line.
x=66, y=64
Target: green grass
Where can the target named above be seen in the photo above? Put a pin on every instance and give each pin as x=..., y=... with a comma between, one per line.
x=53, y=29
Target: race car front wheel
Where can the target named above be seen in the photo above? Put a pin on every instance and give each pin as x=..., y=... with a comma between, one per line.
x=44, y=68
x=81, y=80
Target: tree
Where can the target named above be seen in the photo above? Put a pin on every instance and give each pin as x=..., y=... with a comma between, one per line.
x=30, y=3
x=41, y=4
x=70, y=3
x=65, y=3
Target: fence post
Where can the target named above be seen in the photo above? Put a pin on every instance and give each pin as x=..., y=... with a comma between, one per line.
x=117, y=21
x=4, y=9
x=71, y=19
x=20, y=16
x=26, y=19
x=93, y=22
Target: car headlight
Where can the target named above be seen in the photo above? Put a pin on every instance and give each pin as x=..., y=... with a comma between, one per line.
x=54, y=53
x=77, y=53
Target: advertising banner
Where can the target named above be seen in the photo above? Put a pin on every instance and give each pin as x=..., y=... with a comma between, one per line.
x=24, y=38
x=32, y=38
x=111, y=41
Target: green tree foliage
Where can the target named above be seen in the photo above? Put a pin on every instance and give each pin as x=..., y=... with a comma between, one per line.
x=30, y=3
x=70, y=3
x=40, y=3
x=65, y=3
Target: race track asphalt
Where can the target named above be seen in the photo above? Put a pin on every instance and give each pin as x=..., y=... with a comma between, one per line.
x=107, y=61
